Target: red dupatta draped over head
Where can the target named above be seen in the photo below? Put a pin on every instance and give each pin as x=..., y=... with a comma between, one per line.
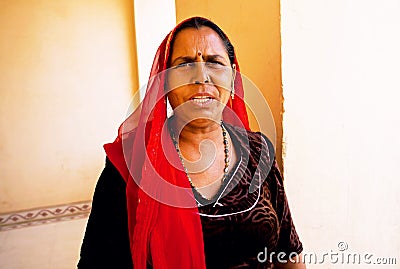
x=164, y=224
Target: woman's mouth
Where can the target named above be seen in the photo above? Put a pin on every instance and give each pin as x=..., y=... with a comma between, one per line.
x=202, y=100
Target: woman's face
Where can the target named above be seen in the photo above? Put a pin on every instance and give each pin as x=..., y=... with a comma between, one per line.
x=200, y=76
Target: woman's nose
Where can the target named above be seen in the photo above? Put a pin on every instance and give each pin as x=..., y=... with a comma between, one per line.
x=200, y=73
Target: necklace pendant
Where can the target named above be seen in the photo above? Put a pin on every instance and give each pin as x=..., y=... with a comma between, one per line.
x=218, y=204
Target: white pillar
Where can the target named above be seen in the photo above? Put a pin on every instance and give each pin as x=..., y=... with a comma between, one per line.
x=153, y=21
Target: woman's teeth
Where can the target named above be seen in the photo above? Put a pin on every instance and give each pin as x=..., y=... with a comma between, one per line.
x=201, y=100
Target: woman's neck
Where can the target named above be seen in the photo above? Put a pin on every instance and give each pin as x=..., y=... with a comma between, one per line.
x=196, y=131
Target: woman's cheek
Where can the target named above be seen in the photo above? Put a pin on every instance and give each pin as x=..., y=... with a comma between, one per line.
x=174, y=98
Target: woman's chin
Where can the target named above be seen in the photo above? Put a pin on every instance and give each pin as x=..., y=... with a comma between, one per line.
x=199, y=117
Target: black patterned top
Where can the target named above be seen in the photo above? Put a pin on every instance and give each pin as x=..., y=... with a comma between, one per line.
x=251, y=214
x=247, y=221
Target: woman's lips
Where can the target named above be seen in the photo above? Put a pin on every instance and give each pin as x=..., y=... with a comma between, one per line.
x=202, y=100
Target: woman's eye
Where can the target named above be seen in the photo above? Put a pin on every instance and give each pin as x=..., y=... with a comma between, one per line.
x=215, y=64
x=185, y=65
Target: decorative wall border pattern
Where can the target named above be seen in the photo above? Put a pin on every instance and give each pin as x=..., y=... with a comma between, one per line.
x=44, y=215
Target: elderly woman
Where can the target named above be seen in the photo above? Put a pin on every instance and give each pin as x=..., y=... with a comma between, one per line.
x=197, y=189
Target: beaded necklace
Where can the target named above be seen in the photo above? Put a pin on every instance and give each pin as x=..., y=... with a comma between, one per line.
x=226, y=160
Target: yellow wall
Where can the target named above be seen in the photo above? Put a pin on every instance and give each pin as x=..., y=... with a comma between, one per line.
x=254, y=29
x=66, y=79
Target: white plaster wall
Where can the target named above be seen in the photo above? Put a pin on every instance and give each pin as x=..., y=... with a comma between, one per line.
x=153, y=21
x=342, y=125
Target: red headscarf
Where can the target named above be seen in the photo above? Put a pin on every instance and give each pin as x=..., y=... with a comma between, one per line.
x=163, y=219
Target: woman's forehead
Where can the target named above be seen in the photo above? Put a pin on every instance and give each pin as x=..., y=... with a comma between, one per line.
x=191, y=41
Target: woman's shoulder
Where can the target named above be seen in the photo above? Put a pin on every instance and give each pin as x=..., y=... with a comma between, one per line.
x=120, y=152
x=256, y=142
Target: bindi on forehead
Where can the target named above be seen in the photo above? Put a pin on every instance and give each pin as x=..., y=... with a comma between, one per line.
x=203, y=43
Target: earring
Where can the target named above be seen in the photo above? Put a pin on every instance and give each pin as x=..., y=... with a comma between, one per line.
x=233, y=90
x=233, y=82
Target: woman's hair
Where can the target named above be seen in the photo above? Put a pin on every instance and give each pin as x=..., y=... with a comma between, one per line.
x=197, y=23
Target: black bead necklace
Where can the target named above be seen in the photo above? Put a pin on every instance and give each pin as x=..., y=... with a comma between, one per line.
x=226, y=159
